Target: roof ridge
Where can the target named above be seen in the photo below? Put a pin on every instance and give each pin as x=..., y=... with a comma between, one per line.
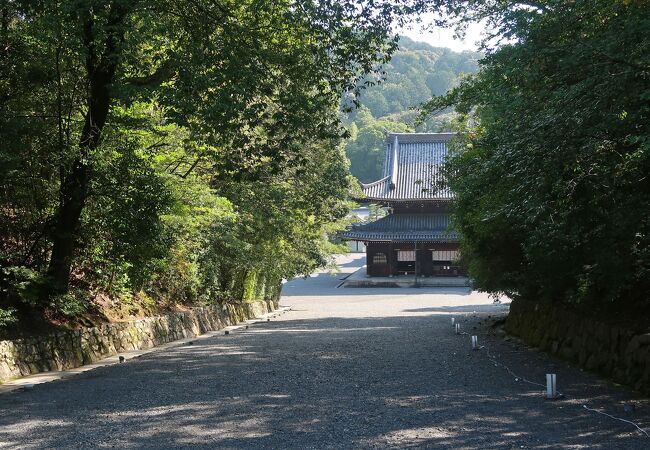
x=374, y=183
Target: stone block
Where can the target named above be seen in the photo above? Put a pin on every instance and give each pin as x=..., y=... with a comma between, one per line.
x=566, y=352
x=633, y=345
x=643, y=339
x=69, y=349
x=555, y=345
x=592, y=363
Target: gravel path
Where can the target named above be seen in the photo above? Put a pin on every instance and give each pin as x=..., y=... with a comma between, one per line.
x=346, y=368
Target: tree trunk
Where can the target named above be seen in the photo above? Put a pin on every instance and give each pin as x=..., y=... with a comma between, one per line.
x=72, y=198
x=101, y=71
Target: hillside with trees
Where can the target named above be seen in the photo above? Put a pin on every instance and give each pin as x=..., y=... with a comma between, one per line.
x=416, y=72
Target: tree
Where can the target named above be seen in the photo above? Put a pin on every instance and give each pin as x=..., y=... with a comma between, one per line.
x=415, y=72
x=243, y=77
x=551, y=169
x=366, y=151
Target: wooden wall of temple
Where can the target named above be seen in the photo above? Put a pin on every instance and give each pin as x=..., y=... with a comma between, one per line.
x=379, y=259
x=397, y=258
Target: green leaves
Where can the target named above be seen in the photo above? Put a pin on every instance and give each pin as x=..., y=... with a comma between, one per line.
x=366, y=150
x=7, y=317
x=167, y=150
x=552, y=196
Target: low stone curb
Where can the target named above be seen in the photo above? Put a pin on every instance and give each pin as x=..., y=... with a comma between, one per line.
x=75, y=351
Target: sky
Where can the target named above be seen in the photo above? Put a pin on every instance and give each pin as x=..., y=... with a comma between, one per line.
x=442, y=37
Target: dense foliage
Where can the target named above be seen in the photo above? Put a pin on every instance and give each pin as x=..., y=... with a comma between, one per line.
x=415, y=72
x=365, y=146
x=168, y=151
x=552, y=168
x=158, y=151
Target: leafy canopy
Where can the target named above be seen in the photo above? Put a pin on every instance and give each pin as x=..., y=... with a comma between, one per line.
x=551, y=171
x=161, y=151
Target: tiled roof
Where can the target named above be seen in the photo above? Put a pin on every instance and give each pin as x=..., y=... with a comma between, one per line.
x=412, y=164
x=404, y=228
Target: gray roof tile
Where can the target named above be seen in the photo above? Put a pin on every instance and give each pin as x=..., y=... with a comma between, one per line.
x=412, y=165
x=404, y=228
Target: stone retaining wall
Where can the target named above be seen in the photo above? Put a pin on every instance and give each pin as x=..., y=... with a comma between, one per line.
x=69, y=349
x=620, y=354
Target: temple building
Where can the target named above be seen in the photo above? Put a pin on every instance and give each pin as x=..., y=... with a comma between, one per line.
x=414, y=238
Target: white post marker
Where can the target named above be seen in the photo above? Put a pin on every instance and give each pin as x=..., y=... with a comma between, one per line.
x=474, y=342
x=453, y=321
x=551, y=386
x=457, y=328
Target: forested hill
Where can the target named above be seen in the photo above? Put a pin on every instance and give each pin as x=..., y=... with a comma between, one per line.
x=416, y=72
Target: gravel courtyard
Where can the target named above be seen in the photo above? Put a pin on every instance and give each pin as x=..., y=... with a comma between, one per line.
x=345, y=368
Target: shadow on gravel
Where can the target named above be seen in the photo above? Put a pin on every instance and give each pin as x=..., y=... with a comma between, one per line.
x=326, y=284
x=389, y=382
x=495, y=309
